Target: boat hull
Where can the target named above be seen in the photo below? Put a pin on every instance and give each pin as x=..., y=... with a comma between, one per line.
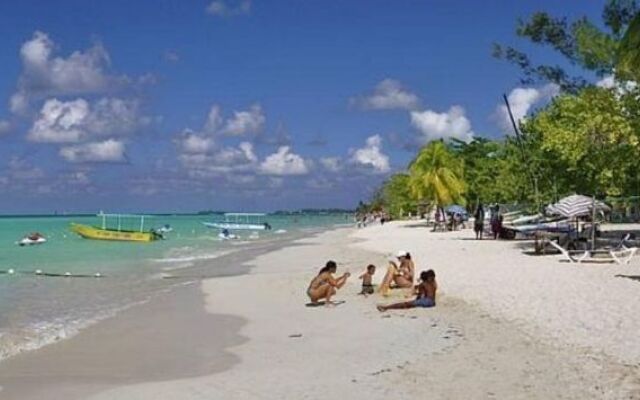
x=90, y=232
x=235, y=226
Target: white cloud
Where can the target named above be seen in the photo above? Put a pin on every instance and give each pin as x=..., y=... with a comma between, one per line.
x=108, y=151
x=78, y=120
x=21, y=170
x=607, y=82
x=78, y=178
x=44, y=74
x=332, y=164
x=203, y=154
x=389, y=94
x=214, y=120
x=230, y=156
x=283, y=162
x=621, y=87
x=450, y=124
x=5, y=127
x=60, y=122
x=171, y=56
x=371, y=155
x=192, y=143
x=223, y=160
x=243, y=122
x=229, y=8
x=522, y=100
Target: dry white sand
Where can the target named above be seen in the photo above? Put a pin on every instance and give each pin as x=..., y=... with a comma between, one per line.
x=485, y=346
x=579, y=304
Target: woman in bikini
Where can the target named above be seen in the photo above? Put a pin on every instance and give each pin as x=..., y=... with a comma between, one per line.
x=401, y=276
x=324, y=285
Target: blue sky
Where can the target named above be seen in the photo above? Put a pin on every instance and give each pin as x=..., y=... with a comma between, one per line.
x=243, y=104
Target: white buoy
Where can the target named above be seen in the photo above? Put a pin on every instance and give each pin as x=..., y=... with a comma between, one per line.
x=11, y=271
x=38, y=272
x=98, y=275
x=67, y=274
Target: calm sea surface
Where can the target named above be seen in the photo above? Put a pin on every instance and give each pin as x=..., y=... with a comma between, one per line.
x=37, y=309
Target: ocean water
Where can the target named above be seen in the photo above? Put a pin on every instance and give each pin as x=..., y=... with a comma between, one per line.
x=39, y=309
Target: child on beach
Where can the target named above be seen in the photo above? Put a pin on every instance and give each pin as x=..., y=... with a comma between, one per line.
x=425, y=291
x=367, y=280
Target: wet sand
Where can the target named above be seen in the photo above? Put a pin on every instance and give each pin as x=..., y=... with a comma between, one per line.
x=170, y=337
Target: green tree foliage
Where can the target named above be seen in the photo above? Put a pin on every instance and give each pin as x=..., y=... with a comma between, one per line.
x=483, y=161
x=592, y=138
x=581, y=42
x=436, y=175
x=628, y=66
x=396, y=196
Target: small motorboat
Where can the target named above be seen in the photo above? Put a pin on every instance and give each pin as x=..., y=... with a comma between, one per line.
x=163, y=231
x=32, y=239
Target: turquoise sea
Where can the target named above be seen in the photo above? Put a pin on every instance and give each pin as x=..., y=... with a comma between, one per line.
x=39, y=309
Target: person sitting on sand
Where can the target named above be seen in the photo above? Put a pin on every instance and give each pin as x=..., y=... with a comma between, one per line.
x=367, y=280
x=399, y=275
x=425, y=291
x=324, y=285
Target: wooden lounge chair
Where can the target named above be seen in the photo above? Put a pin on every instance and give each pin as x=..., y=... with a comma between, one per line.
x=620, y=256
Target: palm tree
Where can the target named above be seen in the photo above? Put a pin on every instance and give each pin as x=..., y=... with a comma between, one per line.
x=436, y=175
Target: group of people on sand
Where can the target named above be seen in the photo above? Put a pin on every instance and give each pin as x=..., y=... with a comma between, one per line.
x=400, y=275
x=495, y=221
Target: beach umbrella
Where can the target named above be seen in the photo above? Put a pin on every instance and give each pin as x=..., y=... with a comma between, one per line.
x=577, y=206
x=456, y=209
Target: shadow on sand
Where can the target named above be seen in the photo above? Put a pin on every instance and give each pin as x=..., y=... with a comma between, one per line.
x=632, y=277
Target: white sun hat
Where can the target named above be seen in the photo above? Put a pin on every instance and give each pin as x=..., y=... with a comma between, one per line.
x=402, y=253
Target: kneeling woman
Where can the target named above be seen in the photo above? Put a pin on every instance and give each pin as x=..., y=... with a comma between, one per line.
x=324, y=285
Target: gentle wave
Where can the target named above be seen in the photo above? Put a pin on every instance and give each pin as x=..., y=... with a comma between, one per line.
x=43, y=333
x=185, y=259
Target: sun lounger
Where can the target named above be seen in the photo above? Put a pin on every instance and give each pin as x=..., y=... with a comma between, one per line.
x=572, y=257
x=623, y=256
x=620, y=256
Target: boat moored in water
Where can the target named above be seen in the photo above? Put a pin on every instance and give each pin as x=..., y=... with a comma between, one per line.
x=117, y=233
x=241, y=221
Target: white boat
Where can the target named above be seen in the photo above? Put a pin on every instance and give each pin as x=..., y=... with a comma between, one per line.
x=241, y=221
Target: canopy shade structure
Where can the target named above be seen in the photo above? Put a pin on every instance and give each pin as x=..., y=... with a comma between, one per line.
x=577, y=206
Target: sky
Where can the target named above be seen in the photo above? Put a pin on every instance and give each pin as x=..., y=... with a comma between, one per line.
x=245, y=105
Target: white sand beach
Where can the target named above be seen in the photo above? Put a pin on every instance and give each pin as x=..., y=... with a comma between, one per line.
x=507, y=326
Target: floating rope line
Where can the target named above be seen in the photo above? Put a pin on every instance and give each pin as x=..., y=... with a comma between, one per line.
x=39, y=272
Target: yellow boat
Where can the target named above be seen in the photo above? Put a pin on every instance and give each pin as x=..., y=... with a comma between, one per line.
x=117, y=234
